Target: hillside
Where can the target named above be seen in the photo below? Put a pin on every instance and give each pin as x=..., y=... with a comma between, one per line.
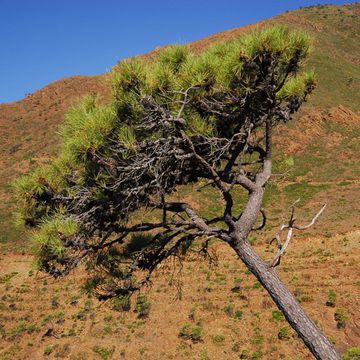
x=316, y=160
x=43, y=318
x=28, y=127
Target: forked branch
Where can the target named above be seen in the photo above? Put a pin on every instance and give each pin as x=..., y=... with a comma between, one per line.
x=290, y=227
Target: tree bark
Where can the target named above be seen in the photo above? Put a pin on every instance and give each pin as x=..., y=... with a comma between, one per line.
x=312, y=336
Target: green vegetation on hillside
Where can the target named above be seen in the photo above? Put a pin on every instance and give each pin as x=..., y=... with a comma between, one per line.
x=336, y=61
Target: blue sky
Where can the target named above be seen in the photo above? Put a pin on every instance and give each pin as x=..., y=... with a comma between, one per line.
x=45, y=40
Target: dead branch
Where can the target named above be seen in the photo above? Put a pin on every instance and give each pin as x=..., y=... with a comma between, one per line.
x=290, y=227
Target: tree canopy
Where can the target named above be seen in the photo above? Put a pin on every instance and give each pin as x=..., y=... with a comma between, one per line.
x=173, y=120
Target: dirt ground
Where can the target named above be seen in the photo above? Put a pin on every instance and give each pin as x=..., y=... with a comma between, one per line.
x=43, y=318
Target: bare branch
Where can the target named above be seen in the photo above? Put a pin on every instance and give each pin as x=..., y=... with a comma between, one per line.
x=312, y=222
x=290, y=227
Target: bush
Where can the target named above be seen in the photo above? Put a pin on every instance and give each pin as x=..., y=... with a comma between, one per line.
x=238, y=314
x=122, y=303
x=218, y=339
x=277, y=315
x=191, y=332
x=104, y=352
x=48, y=350
x=142, y=306
x=341, y=317
x=331, y=299
x=352, y=354
x=284, y=333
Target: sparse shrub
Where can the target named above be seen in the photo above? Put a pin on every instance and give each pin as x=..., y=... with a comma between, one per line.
x=63, y=352
x=74, y=300
x=122, y=303
x=142, y=306
x=191, y=332
x=331, y=298
x=238, y=314
x=277, y=315
x=257, y=285
x=284, y=333
x=245, y=354
x=230, y=310
x=257, y=339
x=352, y=354
x=238, y=280
x=48, y=350
x=341, y=317
x=72, y=332
x=192, y=314
x=306, y=298
x=257, y=355
x=220, y=278
x=108, y=318
x=104, y=352
x=236, y=289
x=81, y=315
x=204, y=356
x=55, y=302
x=107, y=329
x=235, y=347
x=218, y=339
x=88, y=305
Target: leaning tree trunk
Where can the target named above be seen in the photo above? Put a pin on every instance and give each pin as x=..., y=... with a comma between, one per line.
x=312, y=336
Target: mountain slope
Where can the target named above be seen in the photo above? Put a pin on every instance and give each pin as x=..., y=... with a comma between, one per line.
x=28, y=127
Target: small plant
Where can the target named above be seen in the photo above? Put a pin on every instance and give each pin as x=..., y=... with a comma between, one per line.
x=122, y=303
x=284, y=333
x=142, y=351
x=88, y=305
x=74, y=300
x=104, y=352
x=218, y=339
x=204, y=356
x=277, y=315
x=142, y=306
x=191, y=332
x=108, y=318
x=331, y=298
x=55, y=302
x=352, y=354
x=72, y=332
x=238, y=314
x=230, y=310
x=235, y=347
x=81, y=315
x=245, y=354
x=257, y=285
x=257, y=339
x=341, y=317
x=257, y=355
x=7, y=277
x=192, y=313
x=63, y=351
x=238, y=280
x=48, y=350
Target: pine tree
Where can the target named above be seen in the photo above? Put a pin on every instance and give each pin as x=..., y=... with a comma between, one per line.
x=174, y=120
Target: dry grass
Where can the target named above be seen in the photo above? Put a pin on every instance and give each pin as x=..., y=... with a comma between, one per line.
x=235, y=315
